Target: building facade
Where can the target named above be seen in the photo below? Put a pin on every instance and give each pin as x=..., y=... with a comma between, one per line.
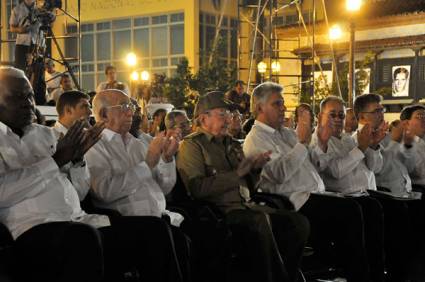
x=159, y=32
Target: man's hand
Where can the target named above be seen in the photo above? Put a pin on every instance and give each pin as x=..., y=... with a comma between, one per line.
x=379, y=134
x=397, y=133
x=69, y=144
x=261, y=159
x=408, y=136
x=363, y=137
x=91, y=136
x=304, y=127
x=324, y=133
x=155, y=150
x=245, y=166
x=171, y=145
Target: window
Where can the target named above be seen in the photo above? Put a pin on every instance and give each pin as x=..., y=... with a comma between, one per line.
x=177, y=39
x=228, y=34
x=158, y=42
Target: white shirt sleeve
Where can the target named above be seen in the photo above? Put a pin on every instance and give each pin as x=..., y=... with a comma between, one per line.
x=374, y=159
x=80, y=179
x=109, y=185
x=15, y=184
x=281, y=167
x=165, y=175
x=339, y=167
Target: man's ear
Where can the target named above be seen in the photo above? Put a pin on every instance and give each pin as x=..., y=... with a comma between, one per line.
x=103, y=115
x=68, y=109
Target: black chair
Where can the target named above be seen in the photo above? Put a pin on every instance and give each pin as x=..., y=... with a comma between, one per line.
x=6, y=254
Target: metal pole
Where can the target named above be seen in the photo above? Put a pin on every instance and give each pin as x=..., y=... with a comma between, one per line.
x=270, y=40
x=254, y=42
x=80, y=75
x=351, y=71
x=313, y=54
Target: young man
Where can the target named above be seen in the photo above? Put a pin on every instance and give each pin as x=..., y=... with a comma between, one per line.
x=65, y=85
x=291, y=173
x=240, y=98
x=111, y=81
x=213, y=168
x=178, y=120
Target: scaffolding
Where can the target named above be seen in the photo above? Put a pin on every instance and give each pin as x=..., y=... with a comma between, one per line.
x=263, y=18
x=70, y=19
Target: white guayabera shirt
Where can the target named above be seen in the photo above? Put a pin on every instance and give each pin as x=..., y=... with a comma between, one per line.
x=290, y=171
x=398, y=162
x=33, y=190
x=344, y=167
x=122, y=180
x=418, y=173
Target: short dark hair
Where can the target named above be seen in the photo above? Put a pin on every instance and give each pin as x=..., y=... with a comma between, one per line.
x=158, y=112
x=408, y=111
x=362, y=101
x=65, y=75
x=401, y=70
x=69, y=98
x=108, y=68
x=239, y=82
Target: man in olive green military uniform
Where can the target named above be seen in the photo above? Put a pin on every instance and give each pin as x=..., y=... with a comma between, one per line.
x=213, y=168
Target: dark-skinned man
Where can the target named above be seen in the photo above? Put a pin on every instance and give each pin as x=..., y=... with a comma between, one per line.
x=55, y=239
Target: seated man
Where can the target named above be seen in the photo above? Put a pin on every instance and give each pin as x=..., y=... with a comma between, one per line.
x=177, y=119
x=65, y=85
x=348, y=166
x=41, y=206
x=213, y=168
x=414, y=119
x=291, y=173
x=129, y=176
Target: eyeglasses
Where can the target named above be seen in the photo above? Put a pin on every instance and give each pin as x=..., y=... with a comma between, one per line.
x=334, y=115
x=376, y=111
x=124, y=107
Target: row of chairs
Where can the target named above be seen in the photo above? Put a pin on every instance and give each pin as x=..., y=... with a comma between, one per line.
x=215, y=250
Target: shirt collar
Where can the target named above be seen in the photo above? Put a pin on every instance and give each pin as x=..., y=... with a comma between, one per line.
x=109, y=135
x=60, y=128
x=3, y=128
x=264, y=126
x=210, y=136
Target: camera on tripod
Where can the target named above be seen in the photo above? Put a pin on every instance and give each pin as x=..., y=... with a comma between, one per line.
x=45, y=13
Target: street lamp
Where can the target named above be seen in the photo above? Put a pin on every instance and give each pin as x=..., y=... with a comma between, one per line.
x=134, y=76
x=262, y=68
x=335, y=32
x=275, y=67
x=144, y=75
x=131, y=59
x=352, y=6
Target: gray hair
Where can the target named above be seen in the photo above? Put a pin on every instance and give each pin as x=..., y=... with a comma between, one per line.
x=261, y=94
x=102, y=100
x=170, y=118
x=330, y=99
x=7, y=72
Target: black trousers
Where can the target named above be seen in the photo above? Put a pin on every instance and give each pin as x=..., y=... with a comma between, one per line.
x=59, y=251
x=357, y=242
x=273, y=241
x=21, y=52
x=141, y=243
x=404, y=230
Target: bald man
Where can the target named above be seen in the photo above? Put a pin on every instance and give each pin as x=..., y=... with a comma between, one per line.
x=129, y=175
x=40, y=203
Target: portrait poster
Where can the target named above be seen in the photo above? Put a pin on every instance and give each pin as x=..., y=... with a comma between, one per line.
x=400, y=81
x=363, y=80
